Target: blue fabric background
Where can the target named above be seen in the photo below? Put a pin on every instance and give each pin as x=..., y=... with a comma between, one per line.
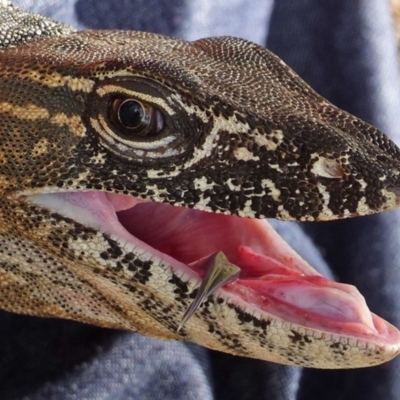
x=347, y=51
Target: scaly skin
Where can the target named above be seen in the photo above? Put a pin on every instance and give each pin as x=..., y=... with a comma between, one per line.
x=241, y=135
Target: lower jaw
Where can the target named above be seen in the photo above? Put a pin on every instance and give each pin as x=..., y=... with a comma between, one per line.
x=275, y=281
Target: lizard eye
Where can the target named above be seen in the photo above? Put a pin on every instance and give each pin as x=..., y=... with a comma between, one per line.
x=140, y=120
x=135, y=118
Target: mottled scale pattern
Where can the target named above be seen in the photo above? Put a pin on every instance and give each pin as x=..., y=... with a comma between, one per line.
x=285, y=153
x=19, y=27
x=243, y=136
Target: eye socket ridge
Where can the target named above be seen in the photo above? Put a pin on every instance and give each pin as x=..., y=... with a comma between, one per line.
x=135, y=119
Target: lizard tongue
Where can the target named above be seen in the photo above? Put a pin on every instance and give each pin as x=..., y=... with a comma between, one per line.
x=308, y=298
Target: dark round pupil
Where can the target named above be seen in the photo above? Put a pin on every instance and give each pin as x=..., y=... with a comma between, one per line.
x=131, y=114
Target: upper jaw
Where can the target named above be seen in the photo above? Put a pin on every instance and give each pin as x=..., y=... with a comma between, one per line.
x=275, y=283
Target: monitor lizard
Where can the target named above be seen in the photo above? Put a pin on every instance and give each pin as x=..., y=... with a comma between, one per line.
x=129, y=160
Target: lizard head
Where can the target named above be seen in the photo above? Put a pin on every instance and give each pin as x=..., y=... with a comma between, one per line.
x=103, y=133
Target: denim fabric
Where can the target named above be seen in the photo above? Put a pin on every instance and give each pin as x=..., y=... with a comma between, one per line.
x=346, y=50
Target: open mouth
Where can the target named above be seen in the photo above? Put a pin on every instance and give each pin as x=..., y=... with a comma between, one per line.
x=274, y=280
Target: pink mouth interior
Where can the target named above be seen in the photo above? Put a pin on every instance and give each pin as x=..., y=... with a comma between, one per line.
x=274, y=279
x=272, y=276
